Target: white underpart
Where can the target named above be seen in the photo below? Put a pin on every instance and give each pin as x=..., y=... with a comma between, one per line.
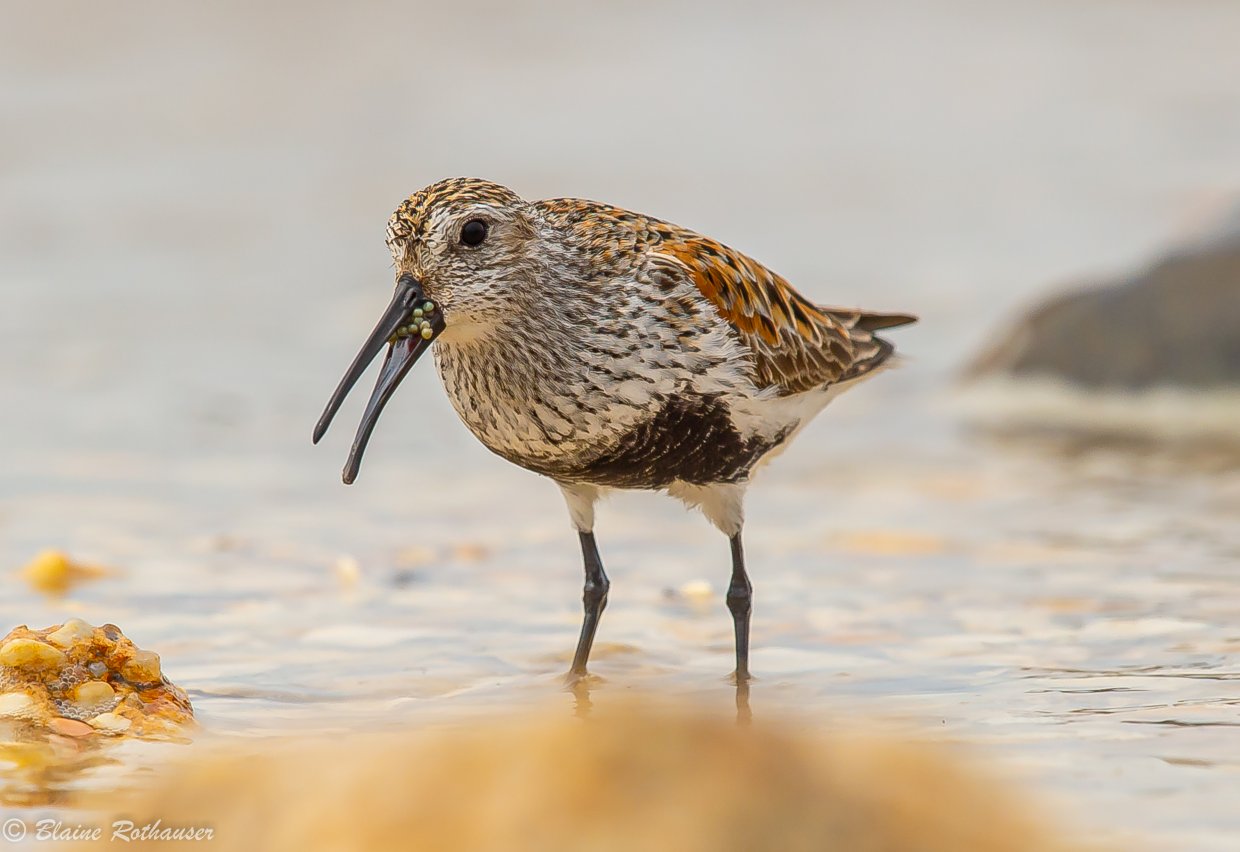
x=769, y=416
x=722, y=503
x=581, y=499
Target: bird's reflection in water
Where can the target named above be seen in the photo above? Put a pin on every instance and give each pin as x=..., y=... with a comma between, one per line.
x=744, y=714
x=583, y=705
x=580, y=687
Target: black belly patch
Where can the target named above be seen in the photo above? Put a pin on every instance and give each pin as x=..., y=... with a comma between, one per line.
x=691, y=439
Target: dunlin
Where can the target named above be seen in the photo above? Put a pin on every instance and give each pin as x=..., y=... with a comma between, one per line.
x=606, y=349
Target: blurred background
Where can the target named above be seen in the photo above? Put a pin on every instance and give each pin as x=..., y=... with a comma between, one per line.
x=192, y=211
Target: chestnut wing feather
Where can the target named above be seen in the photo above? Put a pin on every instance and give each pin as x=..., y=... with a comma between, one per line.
x=797, y=345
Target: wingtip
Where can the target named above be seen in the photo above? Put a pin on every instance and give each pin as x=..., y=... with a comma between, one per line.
x=877, y=322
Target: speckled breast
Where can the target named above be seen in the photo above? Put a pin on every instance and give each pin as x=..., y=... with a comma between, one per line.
x=688, y=437
x=620, y=410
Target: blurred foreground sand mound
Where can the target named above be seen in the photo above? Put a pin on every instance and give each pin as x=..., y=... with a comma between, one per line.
x=631, y=779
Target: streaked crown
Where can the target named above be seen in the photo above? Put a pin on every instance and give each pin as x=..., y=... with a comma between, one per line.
x=412, y=218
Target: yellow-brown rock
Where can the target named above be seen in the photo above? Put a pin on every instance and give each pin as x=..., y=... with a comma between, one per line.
x=72, y=632
x=70, y=727
x=143, y=668
x=54, y=573
x=92, y=696
x=112, y=723
x=30, y=655
x=76, y=680
x=17, y=705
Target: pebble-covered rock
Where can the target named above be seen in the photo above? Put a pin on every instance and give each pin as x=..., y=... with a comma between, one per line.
x=76, y=680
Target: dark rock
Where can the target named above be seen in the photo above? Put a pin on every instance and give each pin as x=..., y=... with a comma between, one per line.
x=1175, y=324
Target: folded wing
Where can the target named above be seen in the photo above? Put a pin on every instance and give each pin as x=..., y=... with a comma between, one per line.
x=797, y=345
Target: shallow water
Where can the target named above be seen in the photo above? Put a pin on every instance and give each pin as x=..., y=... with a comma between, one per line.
x=191, y=220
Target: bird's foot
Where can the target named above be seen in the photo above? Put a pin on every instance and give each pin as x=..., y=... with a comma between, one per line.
x=574, y=679
x=738, y=678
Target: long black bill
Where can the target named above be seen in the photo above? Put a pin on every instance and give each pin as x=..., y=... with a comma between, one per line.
x=402, y=352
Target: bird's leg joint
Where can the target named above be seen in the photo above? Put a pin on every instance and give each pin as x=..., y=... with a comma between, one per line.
x=740, y=596
x=594, y=591
x=740, y=590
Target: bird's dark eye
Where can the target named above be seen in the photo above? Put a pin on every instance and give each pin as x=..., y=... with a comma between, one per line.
x=474, y=232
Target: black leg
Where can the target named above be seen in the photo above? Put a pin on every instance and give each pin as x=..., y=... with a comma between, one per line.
x=740, y=594
x=593, y=599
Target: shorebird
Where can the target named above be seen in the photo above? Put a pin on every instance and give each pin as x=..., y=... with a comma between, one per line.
x=605, y=350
